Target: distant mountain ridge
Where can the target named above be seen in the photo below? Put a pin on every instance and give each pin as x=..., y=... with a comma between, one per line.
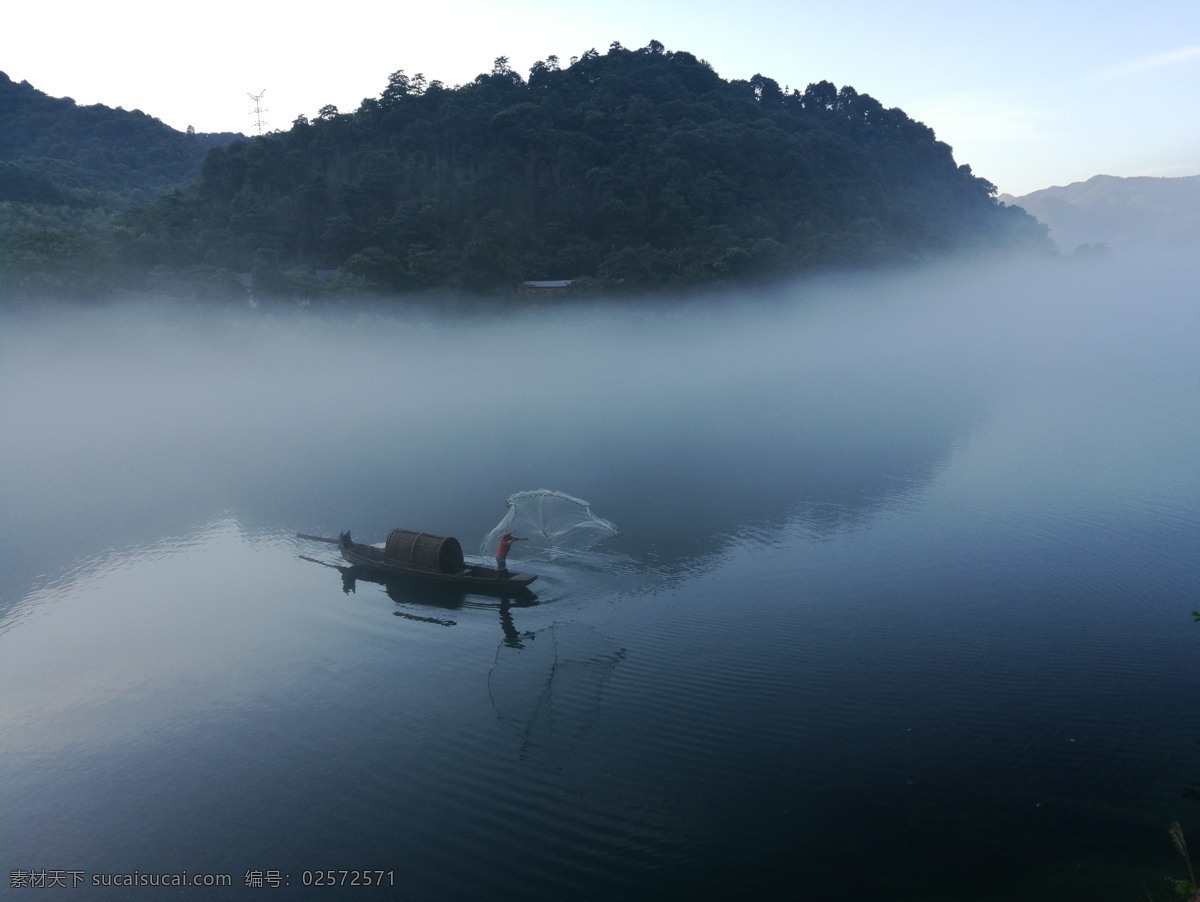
x=54, y=151
x=1139, y=212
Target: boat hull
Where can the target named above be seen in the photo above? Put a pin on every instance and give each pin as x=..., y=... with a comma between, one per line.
x=472, y=577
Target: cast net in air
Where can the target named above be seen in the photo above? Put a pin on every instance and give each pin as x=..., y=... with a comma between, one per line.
x=551, y=521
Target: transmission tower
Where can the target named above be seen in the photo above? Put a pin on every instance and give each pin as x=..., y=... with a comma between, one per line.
x=259, y=109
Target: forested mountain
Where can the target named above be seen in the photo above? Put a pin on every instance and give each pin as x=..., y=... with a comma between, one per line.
x=65, y=172
x=640, y=168
x=1120, y=213
x=633, y=170
x=54, y=151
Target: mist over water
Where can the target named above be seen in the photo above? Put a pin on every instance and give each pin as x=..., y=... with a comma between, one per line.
x=898, y=553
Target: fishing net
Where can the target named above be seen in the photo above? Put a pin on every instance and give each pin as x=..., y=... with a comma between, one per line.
x=551, y=521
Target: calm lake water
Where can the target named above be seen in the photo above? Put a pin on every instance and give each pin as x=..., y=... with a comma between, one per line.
x=900, y=608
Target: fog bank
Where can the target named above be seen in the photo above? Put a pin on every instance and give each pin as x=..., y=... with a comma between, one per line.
x=829, y=396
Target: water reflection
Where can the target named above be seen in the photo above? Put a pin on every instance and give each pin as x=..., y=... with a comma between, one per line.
x=550, y=695
x=446, y=598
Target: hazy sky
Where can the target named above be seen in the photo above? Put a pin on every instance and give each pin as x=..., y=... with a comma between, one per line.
x=1030, y=93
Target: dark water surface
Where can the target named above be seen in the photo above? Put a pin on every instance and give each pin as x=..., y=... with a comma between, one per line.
x=900, y=608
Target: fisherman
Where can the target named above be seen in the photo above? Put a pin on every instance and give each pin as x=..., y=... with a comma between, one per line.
x=502, y=549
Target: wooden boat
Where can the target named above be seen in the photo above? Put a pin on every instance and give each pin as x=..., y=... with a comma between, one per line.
x=435, y=559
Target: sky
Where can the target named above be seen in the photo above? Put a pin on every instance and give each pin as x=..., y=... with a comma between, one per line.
x=1028, y=94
